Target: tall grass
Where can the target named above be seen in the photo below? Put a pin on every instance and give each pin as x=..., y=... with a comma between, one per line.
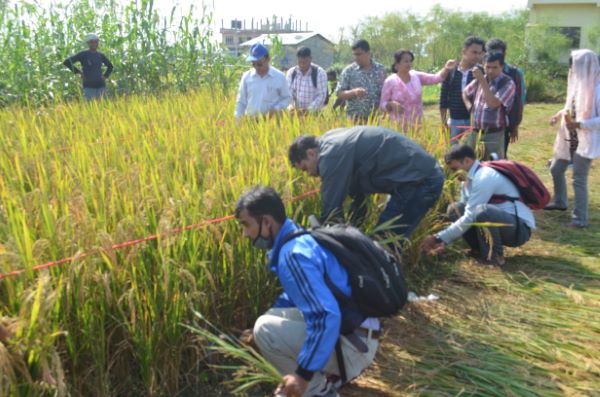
x=150, y=53
x=78, y=177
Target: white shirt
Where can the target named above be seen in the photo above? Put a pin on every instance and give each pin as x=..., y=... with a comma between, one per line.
x=483, y=183
x=261, y=94
x=589, y=134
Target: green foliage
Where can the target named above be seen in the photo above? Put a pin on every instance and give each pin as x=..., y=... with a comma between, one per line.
x=150, y=54
x=438, y=35
x=146, y=165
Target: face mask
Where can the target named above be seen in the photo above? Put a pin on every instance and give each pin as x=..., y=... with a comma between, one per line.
x=261, y=242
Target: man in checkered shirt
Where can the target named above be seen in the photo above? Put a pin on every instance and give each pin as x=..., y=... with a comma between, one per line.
x=308, y=84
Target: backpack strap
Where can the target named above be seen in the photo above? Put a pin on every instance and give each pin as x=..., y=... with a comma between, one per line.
x=339, y=354
x=287, y=238
x=314, y=72
x=337, y=293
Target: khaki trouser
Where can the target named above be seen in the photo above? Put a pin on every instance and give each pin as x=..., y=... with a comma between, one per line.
x=280, y=334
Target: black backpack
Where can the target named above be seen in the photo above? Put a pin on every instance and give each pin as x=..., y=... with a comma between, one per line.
x=314, y=74
x=378, y=287
x=515, y=115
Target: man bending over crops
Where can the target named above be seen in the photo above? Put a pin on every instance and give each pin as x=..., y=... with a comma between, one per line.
x=513, y=219
x=298, y=335
x=361, y=160
x=263, y=89
x=94, y=82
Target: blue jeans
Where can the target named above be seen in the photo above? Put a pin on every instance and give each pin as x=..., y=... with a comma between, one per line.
x=94, y=93
x=458, y=127
x=411, y=201
x=581, y=169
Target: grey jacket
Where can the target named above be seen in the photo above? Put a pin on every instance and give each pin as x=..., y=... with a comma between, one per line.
x=361, y=160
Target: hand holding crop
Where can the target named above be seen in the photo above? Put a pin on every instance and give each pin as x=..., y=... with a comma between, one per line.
x=431, y=246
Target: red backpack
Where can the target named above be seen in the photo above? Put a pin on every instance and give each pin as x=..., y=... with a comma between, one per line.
x=532, y=191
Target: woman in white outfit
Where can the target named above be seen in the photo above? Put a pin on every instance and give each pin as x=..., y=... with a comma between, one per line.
x=578, y=138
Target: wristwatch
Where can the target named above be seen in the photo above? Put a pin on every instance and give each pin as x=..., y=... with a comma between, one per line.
x=438, y=239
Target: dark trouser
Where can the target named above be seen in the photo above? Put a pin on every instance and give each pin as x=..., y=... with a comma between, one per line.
x=506, y=141
x=411, y=201
x=492, y=140
x=494, y=240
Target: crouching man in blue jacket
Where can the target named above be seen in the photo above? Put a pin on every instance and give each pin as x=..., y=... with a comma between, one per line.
x=298, y=334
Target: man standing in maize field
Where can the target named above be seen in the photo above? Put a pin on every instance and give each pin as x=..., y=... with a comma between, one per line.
x=94, y=82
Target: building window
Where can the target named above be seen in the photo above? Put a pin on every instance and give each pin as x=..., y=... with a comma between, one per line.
x=229, y=40
x=571, y=33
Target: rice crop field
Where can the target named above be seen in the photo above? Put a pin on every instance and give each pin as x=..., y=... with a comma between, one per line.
x=136, y=192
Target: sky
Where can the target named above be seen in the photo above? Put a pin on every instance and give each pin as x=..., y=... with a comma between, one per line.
x=323, y=16
x=327, y=16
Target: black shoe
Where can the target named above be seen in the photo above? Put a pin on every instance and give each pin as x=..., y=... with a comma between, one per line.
x=554, y=207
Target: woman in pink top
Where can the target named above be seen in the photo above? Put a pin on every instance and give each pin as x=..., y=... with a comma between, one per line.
x=401, y=96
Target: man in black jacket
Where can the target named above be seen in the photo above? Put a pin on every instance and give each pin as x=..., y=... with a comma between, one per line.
x=452, y=87
x=362, y=160
x=94, y=85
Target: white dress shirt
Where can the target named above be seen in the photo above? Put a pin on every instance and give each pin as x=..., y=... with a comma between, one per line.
x=261, y=94
x=482, y=183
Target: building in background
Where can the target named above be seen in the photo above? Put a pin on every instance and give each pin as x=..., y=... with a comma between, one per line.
x=240, y=32
x=321, y=48
x=578, y=20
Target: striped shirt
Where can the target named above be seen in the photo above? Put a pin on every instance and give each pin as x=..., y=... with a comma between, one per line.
x=486, y=117
x=304, y=93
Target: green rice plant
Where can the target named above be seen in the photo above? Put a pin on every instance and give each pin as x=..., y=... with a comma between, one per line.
x=79, y=178
x=250, y=368
x=145, y=166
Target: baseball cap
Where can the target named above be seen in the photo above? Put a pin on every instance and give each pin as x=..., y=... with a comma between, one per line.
x=91, y=37
x=257, y=51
